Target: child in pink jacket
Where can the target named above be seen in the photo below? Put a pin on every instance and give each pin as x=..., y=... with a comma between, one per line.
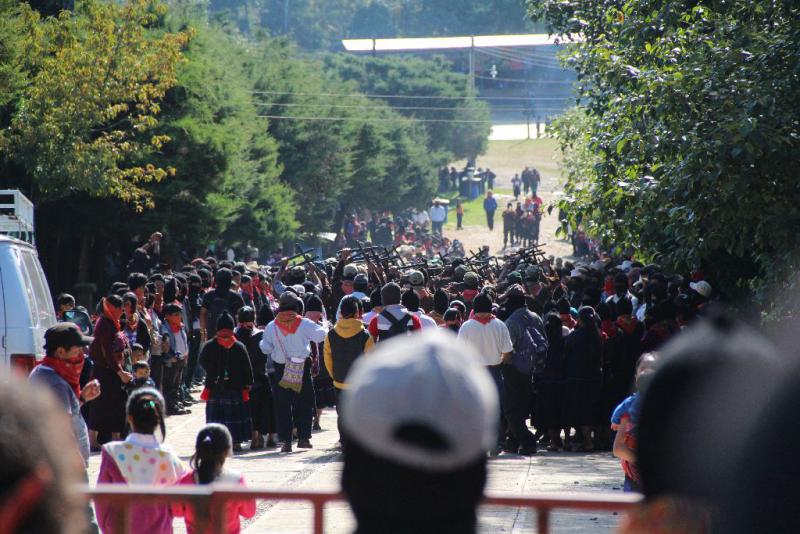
x=140, y=459
x=214, y=446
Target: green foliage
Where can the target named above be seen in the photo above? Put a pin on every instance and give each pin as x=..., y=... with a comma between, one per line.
x=12, y=77
x=84, y=121
x=352, y=152
x=687, y=148
x=226, y=182
x=424, y=78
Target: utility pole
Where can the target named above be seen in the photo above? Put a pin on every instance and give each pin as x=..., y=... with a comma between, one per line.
x=472, y=64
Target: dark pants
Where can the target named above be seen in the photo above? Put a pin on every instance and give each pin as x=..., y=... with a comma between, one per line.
x=173, y=375
x=294, y=409
x=157, y=371
x=191, y=363
x=497, y=376
x=339, y=411
x=436, y=227
x=490, y=219
x=459, y=221
x=508, y=235
x=517, y=404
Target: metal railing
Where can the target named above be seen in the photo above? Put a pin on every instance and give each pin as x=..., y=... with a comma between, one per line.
x=209, y=502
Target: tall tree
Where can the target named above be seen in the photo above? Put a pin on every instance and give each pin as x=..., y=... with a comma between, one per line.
x=691, y=114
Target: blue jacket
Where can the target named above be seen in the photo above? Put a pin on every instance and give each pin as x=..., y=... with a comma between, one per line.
x=490, y=204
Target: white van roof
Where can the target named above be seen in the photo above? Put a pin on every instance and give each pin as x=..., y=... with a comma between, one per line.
x=4, y=239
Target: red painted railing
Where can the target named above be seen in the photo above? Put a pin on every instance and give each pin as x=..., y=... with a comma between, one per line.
x=209, y=502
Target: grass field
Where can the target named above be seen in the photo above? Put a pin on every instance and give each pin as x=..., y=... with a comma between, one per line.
x=473, y=210
x=506, y=158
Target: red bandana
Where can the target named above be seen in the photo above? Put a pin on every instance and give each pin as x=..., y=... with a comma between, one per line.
x=225, y=338
x=175, y=324
x=69, y=370
x=627, y=323
x=568, y=320
x=483, y=319
x=288, y=322
x=469, y=294
x=113, y=314
x=609, y=328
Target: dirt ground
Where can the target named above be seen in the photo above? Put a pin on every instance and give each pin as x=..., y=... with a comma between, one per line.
x=507, y=158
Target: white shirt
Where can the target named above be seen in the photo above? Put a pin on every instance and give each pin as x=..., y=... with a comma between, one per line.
x=421, y=217
x=426, y=320
x=295, y=345
x=490, y=340
x=438, y=213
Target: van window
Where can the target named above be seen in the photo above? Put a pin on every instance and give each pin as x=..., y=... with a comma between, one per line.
x=43, y=313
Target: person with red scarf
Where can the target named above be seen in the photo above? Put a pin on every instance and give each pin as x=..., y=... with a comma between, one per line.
x=108, y=351
x=229, y=376
x=489, y=336
x=288, y=340
x=60, y=371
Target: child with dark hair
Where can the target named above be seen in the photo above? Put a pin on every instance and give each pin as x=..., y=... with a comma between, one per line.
x=141, y=377
x=174, y=355
x=212, y=449
x=140, y=459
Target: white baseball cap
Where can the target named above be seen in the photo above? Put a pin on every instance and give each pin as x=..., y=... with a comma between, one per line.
x=702, y=287
x=428, y=380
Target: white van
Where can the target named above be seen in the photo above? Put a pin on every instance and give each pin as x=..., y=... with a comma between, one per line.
x=26, y=307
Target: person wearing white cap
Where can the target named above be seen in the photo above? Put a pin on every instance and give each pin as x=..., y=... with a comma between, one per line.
x=702, y=288
x=417, y=421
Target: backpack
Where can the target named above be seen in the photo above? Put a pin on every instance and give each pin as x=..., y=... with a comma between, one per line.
x=399, y=326
x=530, y=356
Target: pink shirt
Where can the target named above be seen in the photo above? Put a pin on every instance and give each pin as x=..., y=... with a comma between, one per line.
x=234, y=509
x=140, y=459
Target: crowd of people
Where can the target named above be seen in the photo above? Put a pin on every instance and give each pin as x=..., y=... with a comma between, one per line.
x=255, y=339
x=417, y=234
x=550, y=353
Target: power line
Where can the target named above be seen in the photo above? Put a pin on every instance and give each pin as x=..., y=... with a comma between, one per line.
x=370, y=119
x=415, y=97
x=516, y=80
x=527, y=55
x=520, y=56
x=512, y=57
x=392, y=108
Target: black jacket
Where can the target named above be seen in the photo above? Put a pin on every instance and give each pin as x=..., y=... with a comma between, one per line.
x=229, y=369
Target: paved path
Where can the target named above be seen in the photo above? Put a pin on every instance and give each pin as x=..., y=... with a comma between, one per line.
x=320, y=469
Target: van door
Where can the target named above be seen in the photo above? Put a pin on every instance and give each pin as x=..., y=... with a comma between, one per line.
x=3, y=322
x=42, y=308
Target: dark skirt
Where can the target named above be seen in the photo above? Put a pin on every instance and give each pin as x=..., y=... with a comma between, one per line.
x=581, y=398
x=228, y=408
x=549, y=412
x=262, y=407
x=107, y=412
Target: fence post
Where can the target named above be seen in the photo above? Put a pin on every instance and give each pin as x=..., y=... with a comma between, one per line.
x=543, y=521
x=319, y=516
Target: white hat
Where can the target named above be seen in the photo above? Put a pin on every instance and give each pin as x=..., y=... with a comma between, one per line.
x=429, y=379
x=626, y=265
x=301, y=291
x=702, y=287
x=350, y=270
